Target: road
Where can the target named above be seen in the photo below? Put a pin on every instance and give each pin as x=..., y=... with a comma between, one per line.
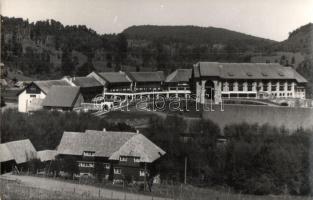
x=94, y=192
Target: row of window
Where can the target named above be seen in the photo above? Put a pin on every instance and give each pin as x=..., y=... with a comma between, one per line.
x=119, y=171
x=92, y=165
x=125, y=159
x=250, y=87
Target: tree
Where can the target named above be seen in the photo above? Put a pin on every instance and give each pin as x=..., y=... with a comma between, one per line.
x=2, y=101
x=67, y=64
x=85, y=69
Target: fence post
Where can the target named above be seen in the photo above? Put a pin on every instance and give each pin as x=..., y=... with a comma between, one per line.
x=99, y=192
x=112, y=195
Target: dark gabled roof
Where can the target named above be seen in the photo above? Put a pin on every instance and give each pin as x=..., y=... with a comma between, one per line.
x=21, y=151
x=61, y=96
x=147, y=76
x=246, y=71
x=46, y=85
x=179, y=75
x=111, y=144
x=115, y=77
x=85, y=82
x=104, y=143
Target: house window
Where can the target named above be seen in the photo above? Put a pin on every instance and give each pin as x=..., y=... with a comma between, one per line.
x=231, y=87
x=123, y=158
x=141, y=172
x=106, y=165
x=117, y=170
x=281, y=87
x=86, y=164
x=249, y=86
x=240, y=86
x=289, y=87
x=265, y=87
x=136, y=159
x=273, y=87
x=89, y=153
x=33, y=96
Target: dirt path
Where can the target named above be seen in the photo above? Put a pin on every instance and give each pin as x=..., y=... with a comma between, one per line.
x=94, y=192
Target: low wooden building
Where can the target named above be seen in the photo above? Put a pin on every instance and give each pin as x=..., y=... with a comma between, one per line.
x=16, y=154
x=116, y=156
x=178, y=80
x=63, y=98
x=89, y=87
x=113, y=81
x=31, y=97
x=147, y=81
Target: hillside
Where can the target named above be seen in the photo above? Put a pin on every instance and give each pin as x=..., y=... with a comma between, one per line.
x=196, y=35
x=299, y=40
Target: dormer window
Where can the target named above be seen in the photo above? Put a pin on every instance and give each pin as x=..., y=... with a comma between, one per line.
x=264, y=74
x=249, y=74
x=89, y=153
x=123, y=158
x=230, y=74
x=281, y=73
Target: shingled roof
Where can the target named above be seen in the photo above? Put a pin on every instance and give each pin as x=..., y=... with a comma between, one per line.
x=179, y=75
x=108, y=143
x=46, y=85
x=115, y=77
x=139, y=146
x=246, y=71
x=85, y=82
x=147, y=76
x=61, y=96
x=21, y=151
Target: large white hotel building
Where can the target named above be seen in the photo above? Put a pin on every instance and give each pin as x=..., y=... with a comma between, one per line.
x=213, y=80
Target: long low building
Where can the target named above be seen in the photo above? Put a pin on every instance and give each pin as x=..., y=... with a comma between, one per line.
x=213, y=80
x=205, y=81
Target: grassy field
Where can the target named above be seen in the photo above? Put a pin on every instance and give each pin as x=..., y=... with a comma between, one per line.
x=10, y=189
x=291, y=118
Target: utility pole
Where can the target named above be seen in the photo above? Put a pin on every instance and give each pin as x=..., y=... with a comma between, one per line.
x=185, y=177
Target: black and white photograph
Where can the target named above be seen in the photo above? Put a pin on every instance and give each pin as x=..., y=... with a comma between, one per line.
x=156, y=99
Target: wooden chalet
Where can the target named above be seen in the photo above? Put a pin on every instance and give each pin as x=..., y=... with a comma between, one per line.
x=116, y=156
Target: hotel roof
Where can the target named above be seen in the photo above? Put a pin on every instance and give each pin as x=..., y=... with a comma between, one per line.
x=114, y=77
x=246, y=71
x=85, y=82
x=179, y=75
x=157, y=76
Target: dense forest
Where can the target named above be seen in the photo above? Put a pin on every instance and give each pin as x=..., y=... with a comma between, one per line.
x=30, y=47
x=254, y=159
x=48, y=49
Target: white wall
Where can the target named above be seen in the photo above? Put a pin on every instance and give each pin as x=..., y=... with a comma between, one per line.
x=24, y=99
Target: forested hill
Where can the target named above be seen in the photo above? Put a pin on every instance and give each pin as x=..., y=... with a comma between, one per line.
x=299, y=40
x=197, y=35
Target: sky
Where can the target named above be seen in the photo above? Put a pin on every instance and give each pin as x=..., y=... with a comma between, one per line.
x=272, y=19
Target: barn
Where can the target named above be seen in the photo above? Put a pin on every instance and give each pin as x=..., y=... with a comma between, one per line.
x=63, y=98
x=31, y=97
x=16, y=154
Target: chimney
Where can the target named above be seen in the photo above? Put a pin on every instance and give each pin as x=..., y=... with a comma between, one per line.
x=104, y=129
